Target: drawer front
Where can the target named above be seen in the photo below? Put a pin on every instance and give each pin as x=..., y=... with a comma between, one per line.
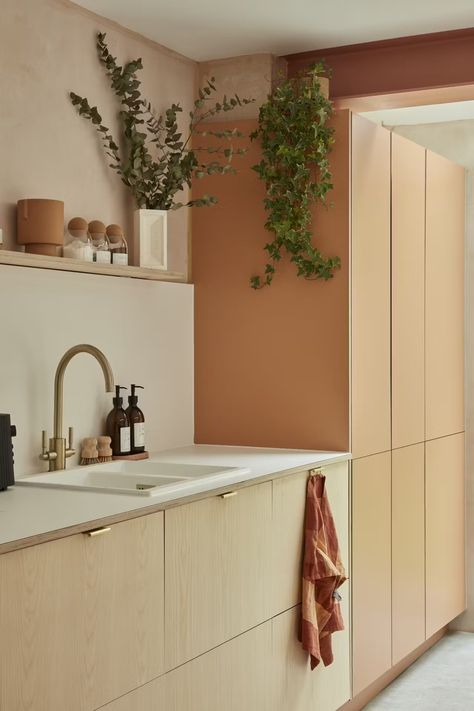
x=289, y=502
x=217, y=554
x=294, y=685
x=82, y=618
x=233, y=677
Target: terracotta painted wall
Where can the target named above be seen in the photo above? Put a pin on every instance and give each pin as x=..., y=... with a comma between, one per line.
x=442, y=59
x=47, y=48
x=260, y=355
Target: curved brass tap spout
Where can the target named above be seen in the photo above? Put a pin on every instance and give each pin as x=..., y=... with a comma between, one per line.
x=59, y=380
x=57, y=453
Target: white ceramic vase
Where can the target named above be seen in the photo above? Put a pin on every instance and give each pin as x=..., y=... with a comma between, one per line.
x=151, y=239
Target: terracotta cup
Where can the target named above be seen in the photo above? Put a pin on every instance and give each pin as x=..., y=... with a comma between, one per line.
x=40, y=225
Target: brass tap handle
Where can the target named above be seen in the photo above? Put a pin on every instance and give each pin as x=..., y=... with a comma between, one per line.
x=70, y=447
x=46, y=455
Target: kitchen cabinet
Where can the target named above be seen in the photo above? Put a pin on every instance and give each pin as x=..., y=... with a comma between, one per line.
x=81, y=618
x=408, y=292
x=371, y=569
x=234, y=676
x=445, y=207
x=370, y=312
x=408, y=550
x=217, y=570
x=294, y=685
x=445, y=502
x=289, y=500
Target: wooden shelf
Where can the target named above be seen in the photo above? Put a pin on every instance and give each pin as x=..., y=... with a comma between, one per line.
x=22, y=259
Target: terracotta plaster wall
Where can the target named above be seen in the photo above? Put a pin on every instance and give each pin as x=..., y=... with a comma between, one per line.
x=271, y=366
x=47, y=48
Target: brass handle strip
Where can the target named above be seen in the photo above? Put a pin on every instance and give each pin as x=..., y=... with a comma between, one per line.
x=98, y=531
x=228, y=494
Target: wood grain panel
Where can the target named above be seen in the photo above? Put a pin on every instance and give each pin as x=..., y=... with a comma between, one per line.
x=445, y=206
x=289, y=501
x=217, y=554
x=408, y=550
x=445, y=502
x=294, y=685
x=371, y=428
x=371, y=569
x=150, y=697
x=234, y=677
x=408, y=292
x=82, y=618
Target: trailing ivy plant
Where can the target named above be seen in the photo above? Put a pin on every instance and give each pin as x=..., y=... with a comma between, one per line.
x=296, y=139
x=155, y=160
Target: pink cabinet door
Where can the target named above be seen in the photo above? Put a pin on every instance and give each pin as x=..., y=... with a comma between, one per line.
x=408, y=292
x=371, y=569
x=370, y=302
x=445, y=568
x=408, y=550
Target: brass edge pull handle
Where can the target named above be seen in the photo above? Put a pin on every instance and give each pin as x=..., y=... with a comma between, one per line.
x=98, y=531
x=313, y=472
x=228, y=494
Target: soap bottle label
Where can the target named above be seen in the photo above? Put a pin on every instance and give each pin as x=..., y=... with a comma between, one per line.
x=125, y=440
x=139, y=434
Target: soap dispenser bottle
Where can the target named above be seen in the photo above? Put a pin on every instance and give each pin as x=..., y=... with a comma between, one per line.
x=137, y=422
x=118, y=426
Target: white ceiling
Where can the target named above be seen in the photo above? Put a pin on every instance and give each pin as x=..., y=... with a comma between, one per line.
x=415, y=115
x=211, y=29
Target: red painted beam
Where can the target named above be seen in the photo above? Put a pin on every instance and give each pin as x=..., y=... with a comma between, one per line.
x=441, y=59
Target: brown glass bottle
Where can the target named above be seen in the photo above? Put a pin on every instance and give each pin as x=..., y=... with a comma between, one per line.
x=136, y=419
x=118, y=426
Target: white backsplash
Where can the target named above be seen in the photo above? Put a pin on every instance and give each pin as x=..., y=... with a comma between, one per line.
x=144, y=328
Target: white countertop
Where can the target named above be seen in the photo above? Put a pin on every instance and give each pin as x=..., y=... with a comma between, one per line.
x=27, y=512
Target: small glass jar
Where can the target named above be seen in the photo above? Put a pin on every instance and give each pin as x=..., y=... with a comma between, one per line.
x=77, y=243
x=118, y=245
x=100, y=243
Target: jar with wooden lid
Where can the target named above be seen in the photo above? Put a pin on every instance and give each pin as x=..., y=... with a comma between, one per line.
x=118, y=245
x=77, y=243
x=100, y=242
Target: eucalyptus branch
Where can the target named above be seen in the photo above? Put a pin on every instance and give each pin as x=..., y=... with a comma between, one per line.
x=158, y=161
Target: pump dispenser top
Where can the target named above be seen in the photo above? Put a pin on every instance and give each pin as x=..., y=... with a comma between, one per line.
x=118, y=399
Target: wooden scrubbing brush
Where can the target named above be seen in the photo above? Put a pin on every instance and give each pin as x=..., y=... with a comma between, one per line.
x=89, y=452
x=105, y=450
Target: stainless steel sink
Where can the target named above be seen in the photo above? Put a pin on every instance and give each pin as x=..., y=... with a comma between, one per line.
x=147, y=478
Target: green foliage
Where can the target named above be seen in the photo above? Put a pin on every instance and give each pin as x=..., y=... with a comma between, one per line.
x=295, y=141
x=158, y=160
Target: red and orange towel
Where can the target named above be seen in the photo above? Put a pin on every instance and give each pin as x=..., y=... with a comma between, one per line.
x=323, y=574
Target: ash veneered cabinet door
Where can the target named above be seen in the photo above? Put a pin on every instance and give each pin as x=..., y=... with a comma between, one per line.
x=445, y=501
x=288, y=505
x=370, y=302
x=371, y=569
x=81, y=618
x=408, y=292
x=217, y=562
x=445, y=207
x=408, y=550
x=295, y=687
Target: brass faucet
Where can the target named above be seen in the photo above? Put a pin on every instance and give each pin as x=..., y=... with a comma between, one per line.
x=57, y=453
